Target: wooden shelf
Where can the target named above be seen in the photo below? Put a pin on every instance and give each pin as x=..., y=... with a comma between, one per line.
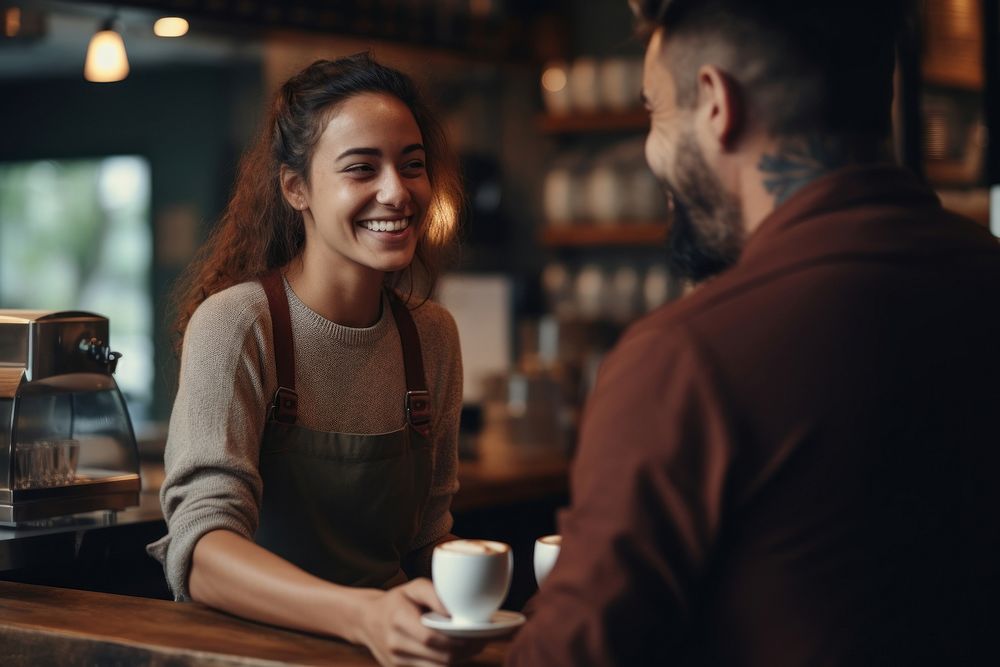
x=596, y=234
x=626, y=121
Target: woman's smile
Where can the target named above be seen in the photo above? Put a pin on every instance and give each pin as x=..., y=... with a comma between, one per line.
x=391, y=225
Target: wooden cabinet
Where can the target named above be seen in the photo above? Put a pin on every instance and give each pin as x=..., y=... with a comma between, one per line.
x=953, y=43
x=953, y=127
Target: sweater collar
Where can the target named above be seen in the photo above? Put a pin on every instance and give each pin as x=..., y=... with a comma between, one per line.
x=353, y=336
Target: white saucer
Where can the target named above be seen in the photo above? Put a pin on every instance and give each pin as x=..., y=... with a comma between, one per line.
x=502, y=623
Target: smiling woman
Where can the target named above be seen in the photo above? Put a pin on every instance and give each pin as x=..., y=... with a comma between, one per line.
x=363, y=198
x=312, y=452
x=262, y=228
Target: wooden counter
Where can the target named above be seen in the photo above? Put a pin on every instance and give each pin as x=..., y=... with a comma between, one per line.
x=40, y=625
x=486, y=485
x=501, y=477
x=509, y=492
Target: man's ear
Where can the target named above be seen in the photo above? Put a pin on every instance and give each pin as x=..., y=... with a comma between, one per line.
x=293, y=189
x=720, y=106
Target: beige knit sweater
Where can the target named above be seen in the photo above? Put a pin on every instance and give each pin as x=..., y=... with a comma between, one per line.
x=348, y=380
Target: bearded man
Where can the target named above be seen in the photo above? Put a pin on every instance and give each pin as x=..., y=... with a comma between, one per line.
x=797, y=463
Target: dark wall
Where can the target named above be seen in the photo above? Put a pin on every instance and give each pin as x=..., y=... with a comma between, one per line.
x=602, y=28
x=190, y=123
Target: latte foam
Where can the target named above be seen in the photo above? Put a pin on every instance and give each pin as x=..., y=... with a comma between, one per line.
x=474, y=547
x=551, y=539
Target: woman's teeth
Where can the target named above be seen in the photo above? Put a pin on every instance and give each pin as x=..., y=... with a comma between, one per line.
x=386, y=225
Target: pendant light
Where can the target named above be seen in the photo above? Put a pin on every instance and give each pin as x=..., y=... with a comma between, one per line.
x=106, y=57
x=170, y=26
x=11, y=21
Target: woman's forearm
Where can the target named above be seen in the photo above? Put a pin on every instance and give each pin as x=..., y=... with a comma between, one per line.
x=231, y=573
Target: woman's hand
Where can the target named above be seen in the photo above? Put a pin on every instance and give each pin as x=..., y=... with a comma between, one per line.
x=232, y=573
x=390, y=626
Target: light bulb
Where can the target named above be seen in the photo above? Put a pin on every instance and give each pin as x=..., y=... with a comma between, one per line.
x=554, y=79
x=106, y=57
x=170, y=26
x=12, y=21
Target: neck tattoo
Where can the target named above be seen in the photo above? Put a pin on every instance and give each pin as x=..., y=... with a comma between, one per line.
x=798, y=162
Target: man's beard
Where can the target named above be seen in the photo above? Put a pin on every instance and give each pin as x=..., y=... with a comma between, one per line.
x=706, y=229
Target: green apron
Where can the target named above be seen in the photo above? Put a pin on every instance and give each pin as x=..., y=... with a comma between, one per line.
x=342, y=506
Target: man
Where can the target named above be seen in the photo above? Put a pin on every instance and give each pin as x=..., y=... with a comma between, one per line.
x=796, y=464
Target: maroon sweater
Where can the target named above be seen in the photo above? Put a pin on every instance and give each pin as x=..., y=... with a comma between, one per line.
x=799, y=463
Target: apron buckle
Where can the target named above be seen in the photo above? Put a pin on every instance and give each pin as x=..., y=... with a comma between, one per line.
x=418, y=411
x=285, y=406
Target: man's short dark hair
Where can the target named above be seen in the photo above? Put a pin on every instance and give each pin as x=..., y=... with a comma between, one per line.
x=804, y=65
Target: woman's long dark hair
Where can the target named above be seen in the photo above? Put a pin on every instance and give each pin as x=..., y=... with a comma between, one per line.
x=260, y=231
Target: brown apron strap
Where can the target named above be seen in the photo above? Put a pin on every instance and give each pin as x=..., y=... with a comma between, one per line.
x=418, y=399
x=284, y=408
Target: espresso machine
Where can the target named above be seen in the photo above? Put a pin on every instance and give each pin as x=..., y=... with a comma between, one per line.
x=66, y=439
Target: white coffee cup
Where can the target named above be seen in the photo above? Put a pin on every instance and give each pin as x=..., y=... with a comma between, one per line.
x=584, y=85
x=560, y=191
x=591, y=290
x=546, y=553
x=604, y=193
x=619, y=83
x=472, y=577
x=656, y=287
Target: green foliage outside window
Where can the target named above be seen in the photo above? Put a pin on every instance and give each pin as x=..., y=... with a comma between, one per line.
x=76, y=235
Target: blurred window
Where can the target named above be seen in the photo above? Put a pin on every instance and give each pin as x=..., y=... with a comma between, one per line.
x=76, y=235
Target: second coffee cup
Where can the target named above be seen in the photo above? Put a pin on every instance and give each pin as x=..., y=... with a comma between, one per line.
x=472, y=578
x=546, y=553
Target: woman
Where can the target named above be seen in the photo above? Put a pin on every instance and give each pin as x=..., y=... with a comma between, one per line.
x=312, y=451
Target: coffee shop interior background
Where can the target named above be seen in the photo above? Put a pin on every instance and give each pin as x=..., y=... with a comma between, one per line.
x=152, y=157
x=108, y=188
x=539, y=98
